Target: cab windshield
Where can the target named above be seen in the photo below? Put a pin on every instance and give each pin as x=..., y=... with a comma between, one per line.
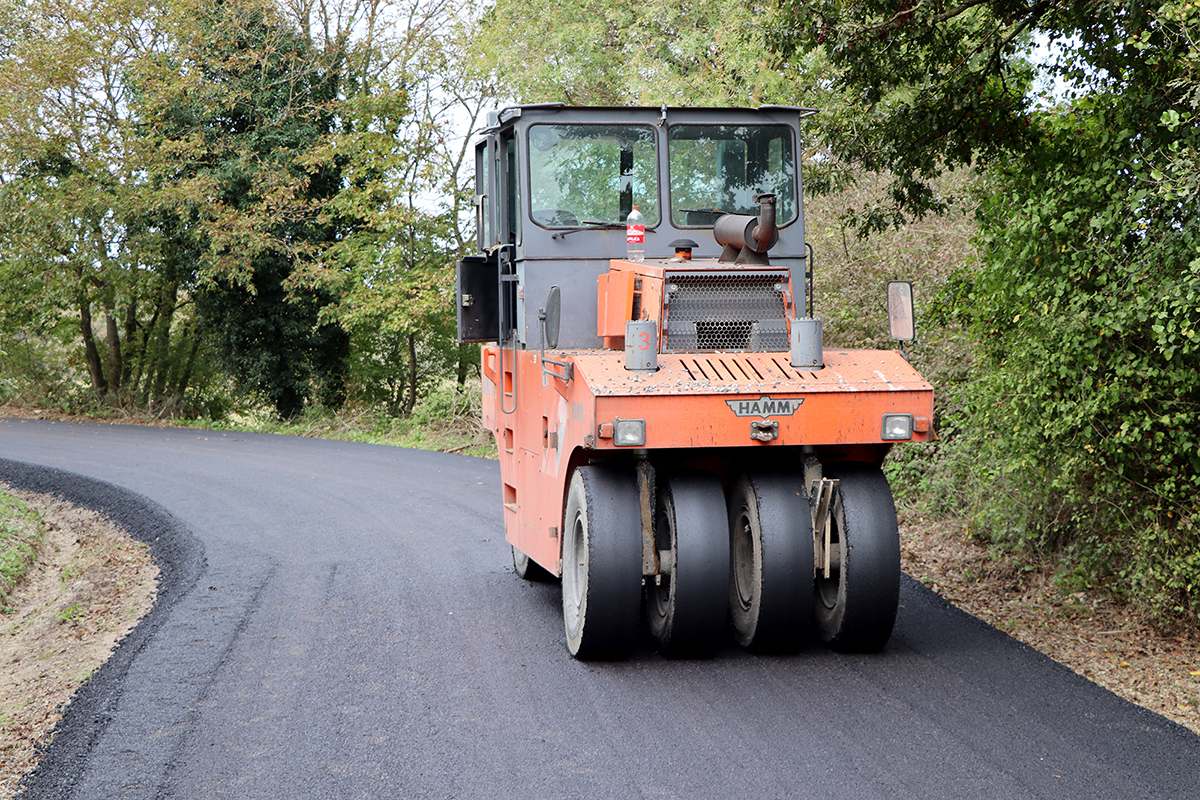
x=583, y=175
x=718, y=169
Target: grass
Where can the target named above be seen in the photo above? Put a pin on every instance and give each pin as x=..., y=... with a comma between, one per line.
x=72, y=613
x=20, y=533
x=447, y=420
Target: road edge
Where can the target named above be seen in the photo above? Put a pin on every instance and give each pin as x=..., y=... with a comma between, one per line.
x=180, y=556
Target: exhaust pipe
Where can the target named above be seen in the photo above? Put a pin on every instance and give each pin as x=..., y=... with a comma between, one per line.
x=747, y=239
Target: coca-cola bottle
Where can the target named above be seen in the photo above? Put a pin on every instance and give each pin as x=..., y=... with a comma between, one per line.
x=635, y=236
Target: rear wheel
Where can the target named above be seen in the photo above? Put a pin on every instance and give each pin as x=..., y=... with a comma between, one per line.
x=771, y=562
x=687, y=604
x=529, y=569
x=855, y=607
x=602, y=563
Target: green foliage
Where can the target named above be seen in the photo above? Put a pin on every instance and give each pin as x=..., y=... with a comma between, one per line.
x=447, y=418
x=71, y=613
x=239, y=103
x=390, y=274
x=1080, y=423
x=19, y=537
x=189, y=188
x=918, y=89
x=1072, y=433
x=1088, y=309
x=648, y=52
x=79, y=257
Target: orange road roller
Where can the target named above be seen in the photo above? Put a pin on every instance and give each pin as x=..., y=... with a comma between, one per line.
x=674, y=436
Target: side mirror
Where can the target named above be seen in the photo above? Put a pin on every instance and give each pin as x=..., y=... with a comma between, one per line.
x=551, y=316
x=900, y=310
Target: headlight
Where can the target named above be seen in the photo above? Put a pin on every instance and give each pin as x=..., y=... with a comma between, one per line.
x=629, y=432
x=897, y=427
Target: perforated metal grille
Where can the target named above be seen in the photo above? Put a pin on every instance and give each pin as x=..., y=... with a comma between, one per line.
x=725, y=311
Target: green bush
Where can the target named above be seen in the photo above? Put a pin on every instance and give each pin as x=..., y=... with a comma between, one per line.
x=1086, y=312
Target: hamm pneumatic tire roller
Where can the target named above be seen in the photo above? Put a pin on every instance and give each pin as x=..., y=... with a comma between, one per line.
x=673, y=435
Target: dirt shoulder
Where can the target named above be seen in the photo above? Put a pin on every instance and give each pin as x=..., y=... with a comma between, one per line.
x=91, y=584
x=1102, y=640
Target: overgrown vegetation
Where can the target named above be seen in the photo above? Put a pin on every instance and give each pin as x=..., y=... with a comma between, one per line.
x=1069, y=434
x=447, y=419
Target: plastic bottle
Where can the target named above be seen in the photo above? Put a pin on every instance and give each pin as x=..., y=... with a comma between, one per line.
x=635, y=236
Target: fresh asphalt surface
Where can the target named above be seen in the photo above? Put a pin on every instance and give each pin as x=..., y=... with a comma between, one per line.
x=342, y=621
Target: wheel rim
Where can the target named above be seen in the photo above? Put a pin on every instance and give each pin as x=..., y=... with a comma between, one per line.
x=660, y=593
x=828, y=589
x=575, y=575
x=742, y=552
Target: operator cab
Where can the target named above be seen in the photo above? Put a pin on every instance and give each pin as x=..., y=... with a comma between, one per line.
x=555, y=184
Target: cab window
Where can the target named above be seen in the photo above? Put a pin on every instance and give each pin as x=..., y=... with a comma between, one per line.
x=718, y=169
x=582, y=175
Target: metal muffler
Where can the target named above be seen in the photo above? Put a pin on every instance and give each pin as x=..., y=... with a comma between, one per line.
x=747, y=239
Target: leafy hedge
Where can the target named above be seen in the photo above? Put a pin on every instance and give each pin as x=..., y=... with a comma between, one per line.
x=1087, y=314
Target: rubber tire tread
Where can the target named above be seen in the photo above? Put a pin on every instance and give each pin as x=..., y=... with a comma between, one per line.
x=607, y=498
x=780, y=617
x=698, y=604
x=869, y=592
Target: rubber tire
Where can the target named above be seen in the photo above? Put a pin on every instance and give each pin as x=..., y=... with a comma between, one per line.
x=527, y=568
x=687, y=610
x=855, y=610
x=771, y=562
x=602, y=563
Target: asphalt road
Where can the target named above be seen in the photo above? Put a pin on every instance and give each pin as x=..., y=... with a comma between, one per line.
x=342, y=621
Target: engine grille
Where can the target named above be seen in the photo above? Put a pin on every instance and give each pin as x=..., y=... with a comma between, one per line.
x=727, y=312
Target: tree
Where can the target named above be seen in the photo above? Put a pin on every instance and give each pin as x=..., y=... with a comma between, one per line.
x=236, y=179
x=74, y=238
x=639, y=53
x=231, y=113
x=1084, y=298
x=405, y=137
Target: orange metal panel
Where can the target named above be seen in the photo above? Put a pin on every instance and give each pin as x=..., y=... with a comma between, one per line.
x=533, y=448
x=710, y=400
x=693, y=401
x=746, y=373
x=614, y=300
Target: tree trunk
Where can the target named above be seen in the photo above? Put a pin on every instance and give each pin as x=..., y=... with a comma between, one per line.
x=464, y=351
x=143, y=365
x=89, y=344
x=411, y=402
x=113, y=339
x=162, y=346
x=185, y=375
x=130, y=340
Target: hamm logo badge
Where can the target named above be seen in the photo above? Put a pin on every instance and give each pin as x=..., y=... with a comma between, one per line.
x=765, y=406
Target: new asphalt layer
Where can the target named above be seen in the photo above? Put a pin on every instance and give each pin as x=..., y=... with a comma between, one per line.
x=342, y=621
